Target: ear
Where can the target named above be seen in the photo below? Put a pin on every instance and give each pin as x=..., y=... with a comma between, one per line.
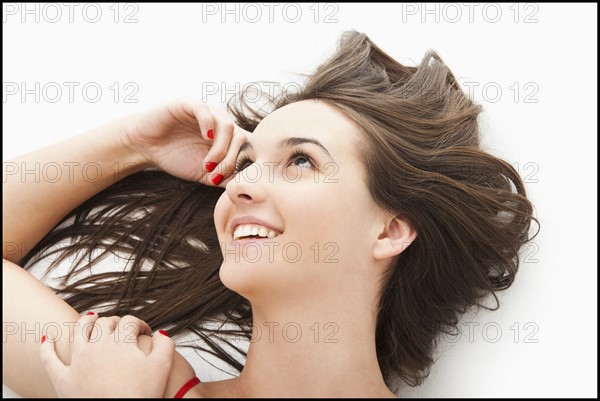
x=396, y=236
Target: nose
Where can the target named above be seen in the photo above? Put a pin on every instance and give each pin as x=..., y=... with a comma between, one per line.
x=247, y=186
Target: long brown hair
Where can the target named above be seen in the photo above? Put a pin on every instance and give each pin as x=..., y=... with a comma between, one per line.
x=423, y=160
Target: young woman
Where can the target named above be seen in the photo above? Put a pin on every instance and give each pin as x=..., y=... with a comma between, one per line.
x=360, y=219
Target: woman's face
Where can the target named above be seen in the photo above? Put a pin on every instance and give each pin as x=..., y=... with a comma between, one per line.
x=301, y=191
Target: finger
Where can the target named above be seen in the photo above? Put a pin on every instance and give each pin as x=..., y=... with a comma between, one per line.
x=224, y=129
x=162, y=356
x=163, y=349
x=50, y=360
x=205, y=118
x=130, y=327
x=104, y=329
x=239, y=137
x=83, y=329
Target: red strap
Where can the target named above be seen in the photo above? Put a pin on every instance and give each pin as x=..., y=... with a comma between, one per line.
x=186, y=387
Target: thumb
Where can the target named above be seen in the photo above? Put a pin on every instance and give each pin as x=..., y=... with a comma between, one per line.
x=163, y=349
x=50, y=360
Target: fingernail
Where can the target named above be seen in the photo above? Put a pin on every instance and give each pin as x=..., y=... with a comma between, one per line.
x=210, y=166
x=210, y=134
x=163, y=332
x=90, y=313
x=217, y=179
x=43, y=339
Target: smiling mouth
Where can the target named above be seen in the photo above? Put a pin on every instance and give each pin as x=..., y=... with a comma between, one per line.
x=253, y=231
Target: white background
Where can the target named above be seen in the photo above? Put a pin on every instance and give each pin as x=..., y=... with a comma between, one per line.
x=543, y=58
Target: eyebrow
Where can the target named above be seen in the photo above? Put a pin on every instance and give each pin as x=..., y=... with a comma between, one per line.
x=288, y=142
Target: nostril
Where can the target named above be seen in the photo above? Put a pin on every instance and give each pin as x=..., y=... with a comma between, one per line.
x=244, y=197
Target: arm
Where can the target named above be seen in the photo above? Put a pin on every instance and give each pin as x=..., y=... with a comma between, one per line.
x=27, y=307
x=36, y=311
x=177, y=138
x=80, y=166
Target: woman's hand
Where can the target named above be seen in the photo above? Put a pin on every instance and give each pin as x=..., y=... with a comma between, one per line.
x=183, y=137
x=106, y=360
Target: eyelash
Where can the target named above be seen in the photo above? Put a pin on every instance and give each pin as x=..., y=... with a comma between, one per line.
x=241, y=163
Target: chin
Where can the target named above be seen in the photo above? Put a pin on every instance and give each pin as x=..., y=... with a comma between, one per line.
x=254, y=281
x=240, y=278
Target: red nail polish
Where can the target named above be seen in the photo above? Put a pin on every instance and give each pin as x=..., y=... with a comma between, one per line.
x=217, y=179
x=210, y=134
x=210, y=166
x=90, y=313
x=43, y=339
x=163, y=332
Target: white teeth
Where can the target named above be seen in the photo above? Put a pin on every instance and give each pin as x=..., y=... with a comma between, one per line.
x=244, y=230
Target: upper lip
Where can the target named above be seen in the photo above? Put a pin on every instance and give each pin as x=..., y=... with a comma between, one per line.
x=252, y=220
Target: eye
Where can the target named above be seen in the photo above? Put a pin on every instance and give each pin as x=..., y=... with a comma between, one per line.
x=242, y=163
x=299, y=155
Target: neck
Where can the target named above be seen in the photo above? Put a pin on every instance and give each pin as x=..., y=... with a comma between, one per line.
x=303, y=351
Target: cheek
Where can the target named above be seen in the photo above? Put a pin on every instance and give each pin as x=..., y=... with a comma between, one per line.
x=333, y=212
x=222, y=208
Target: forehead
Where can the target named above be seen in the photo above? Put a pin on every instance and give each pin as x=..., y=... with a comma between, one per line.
x=310, y=119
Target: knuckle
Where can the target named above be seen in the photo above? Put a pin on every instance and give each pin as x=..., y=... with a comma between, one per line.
x=205, y=120
x=239, y=139
x=129, y=318
x=220, y=154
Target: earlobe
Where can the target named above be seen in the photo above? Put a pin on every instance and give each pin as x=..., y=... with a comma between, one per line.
x=397, y=235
